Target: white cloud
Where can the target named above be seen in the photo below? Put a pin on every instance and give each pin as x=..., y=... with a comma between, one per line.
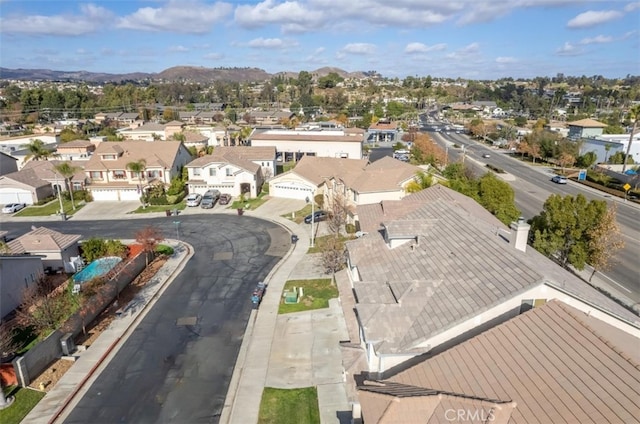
x=568, y=49
x=91, y=19
x=464, y=53
x=423, y=48
x=632, y=6
x=268, y=43
x=191, y=16
x=359, y=48
x=291, y=14
x=506, y=60
x=178, y=49
x=600, y=39
x=213, y=56
x=593, y=18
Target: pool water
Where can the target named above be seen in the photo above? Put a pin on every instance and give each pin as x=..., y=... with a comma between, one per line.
x=96, y=268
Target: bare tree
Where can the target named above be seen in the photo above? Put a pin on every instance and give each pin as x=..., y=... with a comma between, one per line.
x=149, y=237
x=43, y=307
x=605, y=240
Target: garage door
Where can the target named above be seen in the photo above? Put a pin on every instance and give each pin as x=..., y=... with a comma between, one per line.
x=129, y=194
x=290, y=190
x=104, y=194
x=15, y=195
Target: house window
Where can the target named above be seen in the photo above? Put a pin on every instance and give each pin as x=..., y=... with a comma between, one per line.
x=197, y=172
x=96, y=175
x=212, y=172
x=119, y=175
x=154, y=174
x=229, y=172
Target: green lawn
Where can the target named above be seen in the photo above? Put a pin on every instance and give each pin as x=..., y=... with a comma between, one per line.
x=253, y=203
x=160, y=208
x=316, y=295
x=320, y=242
x=25, y=400
x=289, y=406
x=298, y=216
x=50, y=208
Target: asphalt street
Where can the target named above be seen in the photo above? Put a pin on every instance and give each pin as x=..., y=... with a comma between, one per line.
x=177, y=365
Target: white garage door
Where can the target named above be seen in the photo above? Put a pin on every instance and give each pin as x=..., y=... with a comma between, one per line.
x=290, y=190
x=104, y=194
x=15, y=195
x=115, y=194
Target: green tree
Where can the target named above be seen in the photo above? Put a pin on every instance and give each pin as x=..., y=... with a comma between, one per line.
x=38, y=151
x=605, y=240
x=563, y=229
x=138, y=168
x=68, y=171
x=421, y=181
x=498, y=197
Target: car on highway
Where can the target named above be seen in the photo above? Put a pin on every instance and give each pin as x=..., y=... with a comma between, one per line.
x=317, y=216
x=559, y=179
x=225, y=198
x=486, y=155
x=209, y=199
x=194, y=199
x=258, y=294
x=13, y=207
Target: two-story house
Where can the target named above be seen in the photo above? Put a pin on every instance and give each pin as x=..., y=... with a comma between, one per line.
x=110, y=176
x=585, y=128
x=233, y=170
x=76, y=150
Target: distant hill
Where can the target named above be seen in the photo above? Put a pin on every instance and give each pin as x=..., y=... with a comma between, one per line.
x=176, y=73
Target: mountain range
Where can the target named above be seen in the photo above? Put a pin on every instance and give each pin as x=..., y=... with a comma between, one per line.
x=177, y=73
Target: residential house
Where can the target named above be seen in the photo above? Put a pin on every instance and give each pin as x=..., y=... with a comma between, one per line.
x=18, y=272
x=24, y=186
x=486, y=106
x=237, y=170
x=146, y=132
x=352, y=181
x=76, y=150
x=585, y=128
x=268, y=118
x=110, y=178
x=173, y=127
x=45, y=170
x=8, y=163
x=120, y=118
x=435, y=268
x=195, y=139
x=310, y=174
x=552, y=364
x=292, y=145
x=58, y=250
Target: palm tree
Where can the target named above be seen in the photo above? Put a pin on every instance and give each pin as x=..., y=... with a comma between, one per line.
x=138, y=167
x=68, y=171
x=634, y=116
x=38, y=151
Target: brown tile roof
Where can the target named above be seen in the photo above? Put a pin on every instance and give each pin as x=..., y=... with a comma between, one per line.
x=384, y=126
x=386, y=174
x=194, y=137
x=388, y=402
x=241, y=156
x=75, y=144
x=27, y=177
x=45, y=169
x=587, y=123
x=457, y=268
x=318, y=169
x=155, y=153
x=549, y=361
x=42, y=239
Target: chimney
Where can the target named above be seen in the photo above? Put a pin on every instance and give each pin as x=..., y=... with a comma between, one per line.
x=519, y=234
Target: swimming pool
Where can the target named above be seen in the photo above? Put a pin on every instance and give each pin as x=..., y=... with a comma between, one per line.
x=96, y=268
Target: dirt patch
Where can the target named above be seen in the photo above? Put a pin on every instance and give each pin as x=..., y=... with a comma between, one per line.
x=50, y=377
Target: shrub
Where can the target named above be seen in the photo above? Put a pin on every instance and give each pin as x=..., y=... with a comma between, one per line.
x=45, y=201
x=159, y=200
x=177, y=198
x=163, y=249
x=176, y=187
x=350, y=228
x=115, y=248
x=95, y=248
x=90, y=288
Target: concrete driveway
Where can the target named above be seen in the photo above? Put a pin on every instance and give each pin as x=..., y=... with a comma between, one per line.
x=106, y=210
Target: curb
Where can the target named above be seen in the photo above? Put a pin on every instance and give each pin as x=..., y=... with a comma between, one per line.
x=102, y=362
x=238, y=369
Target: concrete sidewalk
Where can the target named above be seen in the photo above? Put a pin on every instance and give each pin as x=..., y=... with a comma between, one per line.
x=293, y=350
x=60, y=400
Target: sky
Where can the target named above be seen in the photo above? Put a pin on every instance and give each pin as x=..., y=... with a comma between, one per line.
x=470, y=39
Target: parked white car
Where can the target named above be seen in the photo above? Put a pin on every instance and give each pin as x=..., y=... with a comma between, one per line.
x=13, y=207
x=194, y=199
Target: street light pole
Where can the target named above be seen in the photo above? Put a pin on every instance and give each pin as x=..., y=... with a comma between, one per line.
x=313, y=218
x=177, y=229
